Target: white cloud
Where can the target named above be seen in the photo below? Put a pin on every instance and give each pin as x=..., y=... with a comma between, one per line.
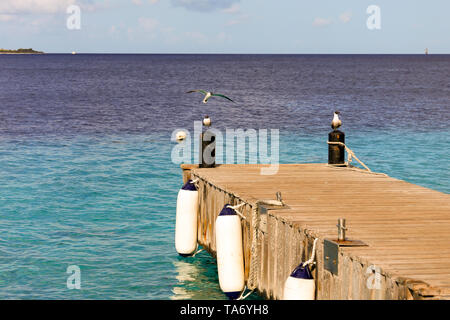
x=18, y=7
x=33, y=15
x=34, y=6
x=204, y=5
x=346, y=16
x=320, y=22
x=141, y=2
x=235, y=8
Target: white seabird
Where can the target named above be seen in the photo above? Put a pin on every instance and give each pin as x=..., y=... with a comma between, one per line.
x=209, y=94
x=180, y=136
x=207, y=121
x=336, y=122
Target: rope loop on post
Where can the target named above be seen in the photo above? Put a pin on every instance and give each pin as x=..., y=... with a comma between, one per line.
x=313, y=254
x=350, y=154
x=240, y=214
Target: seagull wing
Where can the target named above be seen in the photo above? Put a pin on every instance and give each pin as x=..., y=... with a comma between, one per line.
x=202, y=91
x=221, y=95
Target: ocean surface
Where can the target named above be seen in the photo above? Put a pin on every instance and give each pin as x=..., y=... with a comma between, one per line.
x=87, y=178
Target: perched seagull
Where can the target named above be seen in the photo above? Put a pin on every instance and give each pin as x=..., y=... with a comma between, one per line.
x=336, y=123
x=209, y=95
x=207, y=121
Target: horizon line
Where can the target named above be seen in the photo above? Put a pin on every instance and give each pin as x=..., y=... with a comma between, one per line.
x=238, y=53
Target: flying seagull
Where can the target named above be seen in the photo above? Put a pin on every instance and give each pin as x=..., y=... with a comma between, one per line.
x=209, y=95
x=180, y=136
x=336, y=123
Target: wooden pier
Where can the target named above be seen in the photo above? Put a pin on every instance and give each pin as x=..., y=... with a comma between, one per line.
x=406, y=229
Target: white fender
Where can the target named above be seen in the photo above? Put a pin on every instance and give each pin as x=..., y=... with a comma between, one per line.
x=186, y=220
x=300, y=285
x=230, y=256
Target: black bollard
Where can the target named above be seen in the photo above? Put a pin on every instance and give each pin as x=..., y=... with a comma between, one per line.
x=336, y=153
x=207, y=152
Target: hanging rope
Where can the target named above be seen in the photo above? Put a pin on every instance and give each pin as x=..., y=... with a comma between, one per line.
x=350, y=154
x=251, y=281
x=238, y=212
x=252, y=277
x=313, y=254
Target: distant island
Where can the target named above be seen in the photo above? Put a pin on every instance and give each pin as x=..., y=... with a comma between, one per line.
x=20, y=51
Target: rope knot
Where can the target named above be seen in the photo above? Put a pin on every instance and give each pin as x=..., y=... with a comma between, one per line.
x=238, y=212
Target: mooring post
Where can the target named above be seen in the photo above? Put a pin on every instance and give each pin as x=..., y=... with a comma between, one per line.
x=336, y=142
x=336, y=152
x=207, y=152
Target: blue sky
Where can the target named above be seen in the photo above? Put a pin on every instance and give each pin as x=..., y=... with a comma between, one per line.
x=226, y=26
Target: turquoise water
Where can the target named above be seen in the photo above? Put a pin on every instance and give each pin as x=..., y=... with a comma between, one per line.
x=417, y=157
x=107, y=205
